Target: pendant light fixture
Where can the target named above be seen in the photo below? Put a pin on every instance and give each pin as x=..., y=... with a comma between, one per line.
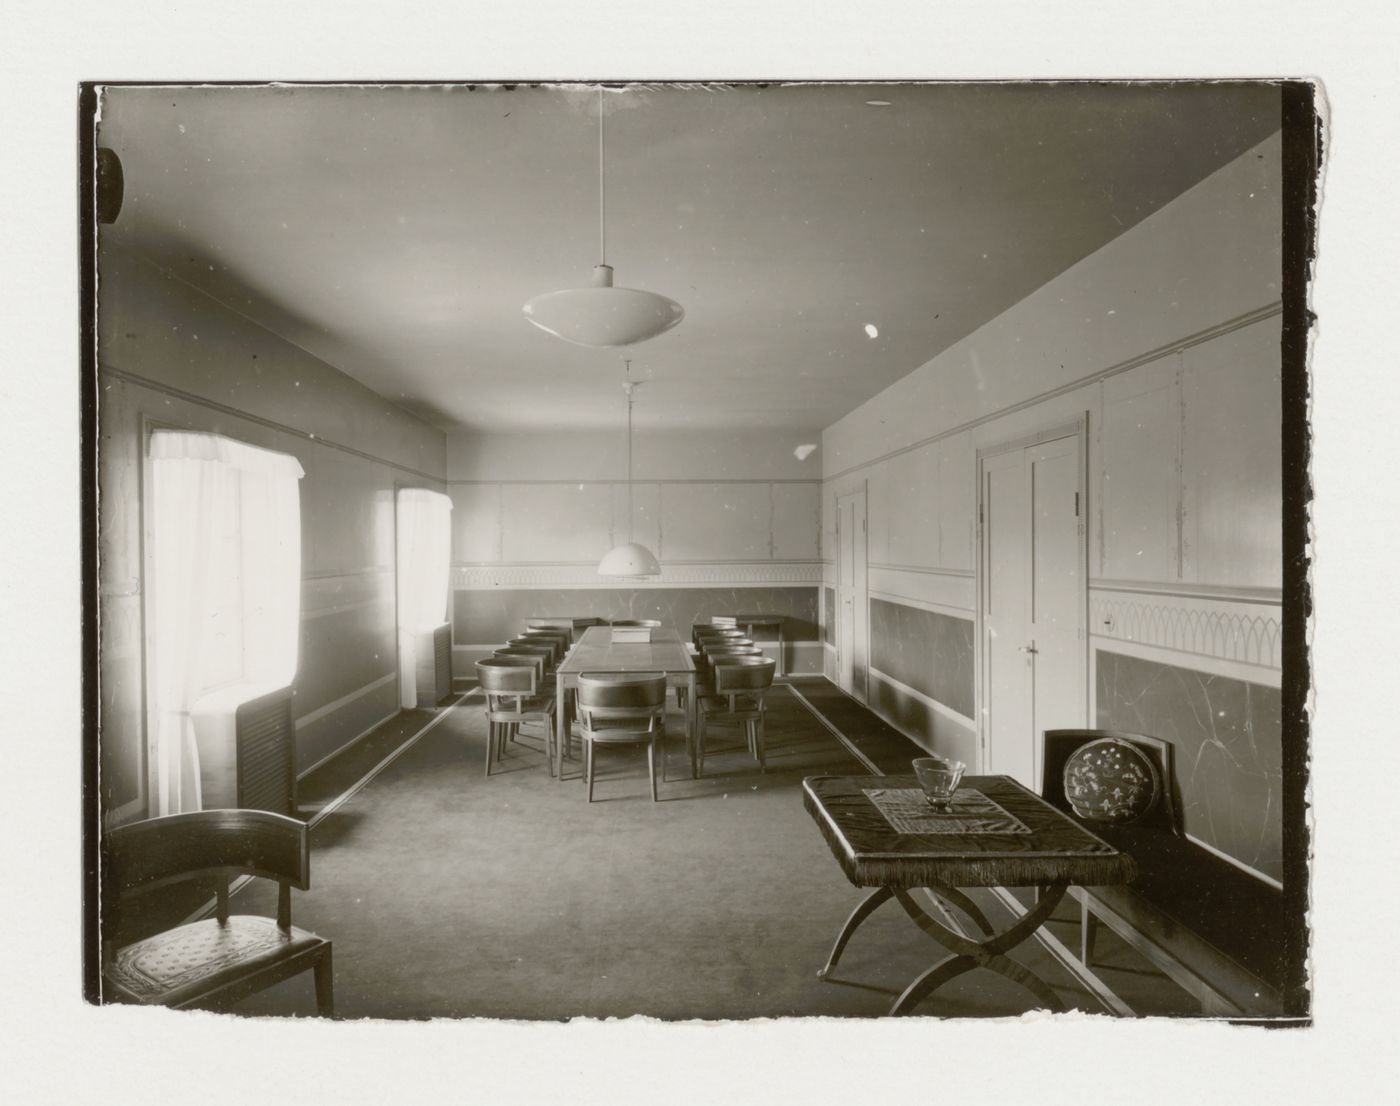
x=600, y=315
x=631, y=558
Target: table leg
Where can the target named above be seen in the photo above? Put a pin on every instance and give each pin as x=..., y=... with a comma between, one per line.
x=565, y=729
x=690, y=707
x=867, y=907
x=969, y=954
x=782, y=652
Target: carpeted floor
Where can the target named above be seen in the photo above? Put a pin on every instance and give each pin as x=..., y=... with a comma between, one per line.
x=449, y=894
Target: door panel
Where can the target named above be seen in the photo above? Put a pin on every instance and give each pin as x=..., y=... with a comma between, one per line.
x=1033, y=602
x=1057, y=583
x=852, y=600
x=1006, y=665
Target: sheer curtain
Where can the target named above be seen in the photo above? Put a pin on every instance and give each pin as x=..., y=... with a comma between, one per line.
x=225, y=592
x=424, y=524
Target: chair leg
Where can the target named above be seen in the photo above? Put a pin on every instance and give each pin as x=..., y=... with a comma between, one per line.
x=758, y=737
x=651, y=766
x=1088, y=929
x=588, y=766
x=490, y=745
x=551, y=741
x=325, y=985
x=700, y=744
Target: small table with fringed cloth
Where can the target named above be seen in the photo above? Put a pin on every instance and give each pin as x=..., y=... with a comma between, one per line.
x=997, y=834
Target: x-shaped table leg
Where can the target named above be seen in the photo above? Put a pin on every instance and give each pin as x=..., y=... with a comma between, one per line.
x=967, y=953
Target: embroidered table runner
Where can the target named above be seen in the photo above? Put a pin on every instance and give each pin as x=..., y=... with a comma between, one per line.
x=908, y=811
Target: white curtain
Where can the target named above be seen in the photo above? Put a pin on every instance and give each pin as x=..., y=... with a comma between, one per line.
x=225, y=589
x=424, y=525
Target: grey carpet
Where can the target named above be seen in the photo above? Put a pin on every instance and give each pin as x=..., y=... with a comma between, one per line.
x=449, y=894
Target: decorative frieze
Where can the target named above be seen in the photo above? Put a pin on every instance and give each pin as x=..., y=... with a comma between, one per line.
x=1248, y=633
x=585, y=575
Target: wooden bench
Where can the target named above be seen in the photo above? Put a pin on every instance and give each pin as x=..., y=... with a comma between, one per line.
x=1212, y=928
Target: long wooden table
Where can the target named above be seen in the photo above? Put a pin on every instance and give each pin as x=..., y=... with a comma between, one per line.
x=998, y=834
x=595, y=651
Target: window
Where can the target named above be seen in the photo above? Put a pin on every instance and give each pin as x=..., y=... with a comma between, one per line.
x=224, y=595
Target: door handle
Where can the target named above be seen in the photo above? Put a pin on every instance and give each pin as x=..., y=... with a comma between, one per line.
x=1028, y=649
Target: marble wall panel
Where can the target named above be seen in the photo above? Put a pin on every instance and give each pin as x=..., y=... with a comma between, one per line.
x=926, y=650
x=1227, y=735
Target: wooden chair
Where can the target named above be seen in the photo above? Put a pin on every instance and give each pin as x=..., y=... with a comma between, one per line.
x=725, y=645
x=1060, y=745
x=567, y=625
x=621, y=709
x=562, y=640
x=511, y=686
x=740, y=687
x=710, y=629
x=553, y=644
x=543, y=650
x=222, y=959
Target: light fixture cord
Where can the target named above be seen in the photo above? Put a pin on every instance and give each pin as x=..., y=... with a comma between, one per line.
x=602, y=207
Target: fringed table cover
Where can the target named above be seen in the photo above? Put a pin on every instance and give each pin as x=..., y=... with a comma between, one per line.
x=873, y=852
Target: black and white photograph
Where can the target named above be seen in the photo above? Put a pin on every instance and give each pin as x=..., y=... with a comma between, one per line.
x=642, y=551
x=820, y=549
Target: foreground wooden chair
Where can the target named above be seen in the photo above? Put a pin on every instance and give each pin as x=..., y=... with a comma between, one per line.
x=225, y=958
x=621, y=709
x=740, y=687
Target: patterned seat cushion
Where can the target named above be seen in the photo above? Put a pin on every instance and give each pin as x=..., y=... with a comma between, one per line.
x=181, y=963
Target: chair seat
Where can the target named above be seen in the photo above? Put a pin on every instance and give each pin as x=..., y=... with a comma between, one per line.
x=192, y=960
x=620, y=735
x=719, y=705
x=540, y=705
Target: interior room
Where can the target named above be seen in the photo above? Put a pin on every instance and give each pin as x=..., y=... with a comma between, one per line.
x=582, y=551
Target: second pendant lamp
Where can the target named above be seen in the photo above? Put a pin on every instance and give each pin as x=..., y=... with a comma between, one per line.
x=630, y=558
x=601, y=315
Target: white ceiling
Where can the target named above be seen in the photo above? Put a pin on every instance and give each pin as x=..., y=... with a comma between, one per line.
x=395, y=232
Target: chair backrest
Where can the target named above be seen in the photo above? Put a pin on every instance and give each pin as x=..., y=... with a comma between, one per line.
x=521, y=648
x=555, y=644
x=251, y=842
x=558, y=633
x=720, y=644
x=708, y=633
x=565, y=624
x=743, y=674
x=1060, y=745
x=639, y=692
x=651, y=622
x=532, y=659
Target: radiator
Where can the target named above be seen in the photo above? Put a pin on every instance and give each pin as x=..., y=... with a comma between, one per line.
x=266, y=767
x=433, y=675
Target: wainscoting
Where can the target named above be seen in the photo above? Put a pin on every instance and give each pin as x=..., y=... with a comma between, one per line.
x=482, y=619
x=1226, y=733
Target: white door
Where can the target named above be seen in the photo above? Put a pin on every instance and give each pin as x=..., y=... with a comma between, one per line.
x=1033, y=601
x=852, y=600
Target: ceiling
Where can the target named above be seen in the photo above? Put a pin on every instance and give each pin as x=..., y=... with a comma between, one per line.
x=395, y=231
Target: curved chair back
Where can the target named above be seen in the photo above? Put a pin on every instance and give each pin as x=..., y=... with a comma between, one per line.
x=253, y=842
x=743, y=674
x=526, y=648
x=709, y=655
x=651, y=622
x=566, y=625
x=517, y=677
x=1060, y=745
x=620, y=695
x=543, y=633
x=720, y=644
x=702, y=636
x=556, y=647
x=524, y=654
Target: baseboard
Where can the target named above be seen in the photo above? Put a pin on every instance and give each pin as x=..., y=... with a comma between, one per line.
x=352, y=742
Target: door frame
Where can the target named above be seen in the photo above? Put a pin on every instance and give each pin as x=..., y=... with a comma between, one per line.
x=1077, y=427
x=860, y=684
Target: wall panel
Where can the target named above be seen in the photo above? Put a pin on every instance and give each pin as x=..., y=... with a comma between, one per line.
x=710, y=522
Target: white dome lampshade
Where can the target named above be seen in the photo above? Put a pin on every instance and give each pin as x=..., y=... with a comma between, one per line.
x=603, y=316
x=631, y=559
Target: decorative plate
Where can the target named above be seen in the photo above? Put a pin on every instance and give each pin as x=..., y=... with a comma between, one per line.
x=1111, y=780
